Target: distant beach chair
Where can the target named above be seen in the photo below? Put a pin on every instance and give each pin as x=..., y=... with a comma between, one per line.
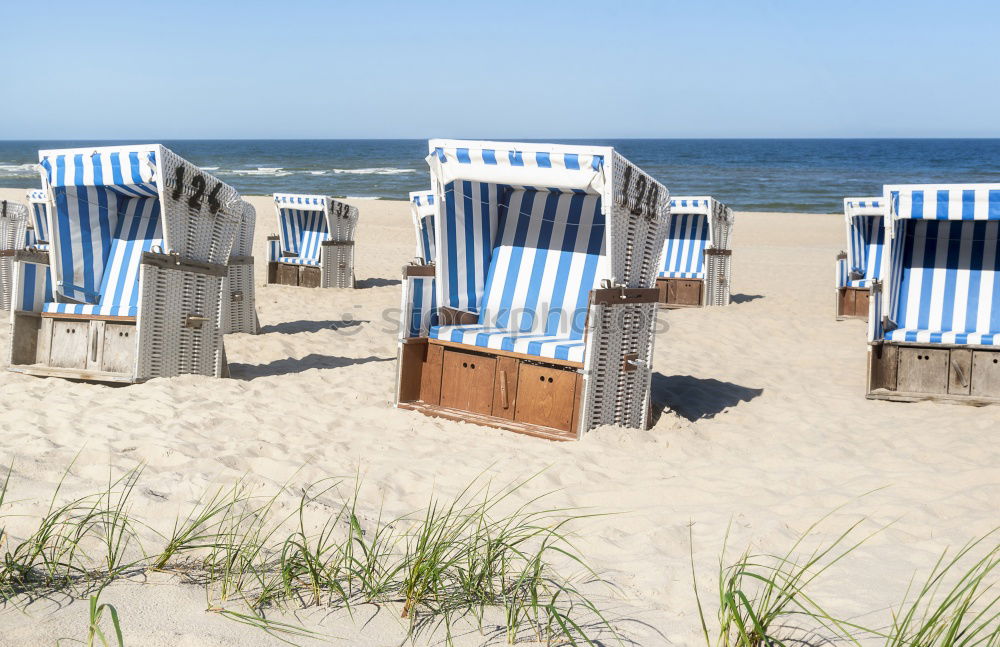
x=315, y=242
x=422, y=210
x=15, y=234
x=934, y=316
x=696, y=267
x=537, y=315
x=240, y=313
x=862, y=262
x=39, y=206
x=138, y=250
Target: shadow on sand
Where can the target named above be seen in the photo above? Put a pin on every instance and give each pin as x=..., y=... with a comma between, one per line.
x=364, y=284
x=693, y=398
x=305, y=325
x=291, y=365
x=744, y=298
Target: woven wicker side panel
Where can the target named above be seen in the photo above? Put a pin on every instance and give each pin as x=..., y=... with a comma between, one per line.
x=244, y=238
x=343, y=221
x=637, y=224
x=167, y=345
x=718, y=274
x=13, y=227
x=239, y=303
x=337, y=262
x=201, y=214
x=614, y=395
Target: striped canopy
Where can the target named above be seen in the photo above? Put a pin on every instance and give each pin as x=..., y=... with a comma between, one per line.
x=942, y=272
x=422, y=208
x=522, y=255
x=107, y=213
x=866, y=240
x=302, y=226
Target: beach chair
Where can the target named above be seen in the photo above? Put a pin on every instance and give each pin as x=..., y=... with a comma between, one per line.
x=934, y=315
x=315, y=243
x=38, y=205
x=862, y=262
x=240, y=312
x=696, y=266
x=131, y=287
x=15, y=234
x=537, y=315
x=422, y=210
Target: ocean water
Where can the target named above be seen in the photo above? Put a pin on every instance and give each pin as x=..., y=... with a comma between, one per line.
x=806, y=175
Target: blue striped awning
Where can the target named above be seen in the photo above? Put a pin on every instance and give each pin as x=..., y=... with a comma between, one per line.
x=518, y=158
x=302, y=202
x=945, y=202
x=128, y=172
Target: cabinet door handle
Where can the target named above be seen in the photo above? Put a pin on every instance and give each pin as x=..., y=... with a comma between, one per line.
x=93, y=344
x=503, y=390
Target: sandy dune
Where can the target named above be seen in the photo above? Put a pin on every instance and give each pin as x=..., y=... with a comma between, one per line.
x=762, y=420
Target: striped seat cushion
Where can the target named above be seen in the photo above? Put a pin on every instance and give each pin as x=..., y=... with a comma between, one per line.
x=298, y=260
x=859, y=283
x=944, y=336
x=948, y=282
x=302, y=232
x=90, y=310
x=684, y=250
x=538, y=344
x=548, y=255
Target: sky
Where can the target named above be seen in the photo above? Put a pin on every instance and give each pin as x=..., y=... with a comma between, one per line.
x=509, y=69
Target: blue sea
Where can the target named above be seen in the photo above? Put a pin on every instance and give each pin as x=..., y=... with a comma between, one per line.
x=803, y=175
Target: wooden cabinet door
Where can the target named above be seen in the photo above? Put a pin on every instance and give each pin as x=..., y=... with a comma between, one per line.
x=70, y=343
x=545, y=396
x=689, y=292
x=923, y=370
x=287, y=274
x=986, y=373
x=467, y=381
x=309, y=276
x=118, y=348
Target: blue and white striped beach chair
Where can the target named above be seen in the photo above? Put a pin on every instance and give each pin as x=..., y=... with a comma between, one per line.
x=15, y=234
x=240, y=302
x=696, y=267
x=38, y=204
x=862, y=262
x=537, y=314
x=138, y=248
x=315, y=242
x=422, y=210
x=934, y=322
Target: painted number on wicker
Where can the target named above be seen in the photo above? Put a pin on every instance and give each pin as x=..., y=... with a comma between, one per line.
x=199, y=185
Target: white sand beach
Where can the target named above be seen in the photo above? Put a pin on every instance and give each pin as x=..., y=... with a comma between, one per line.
x=761, y=420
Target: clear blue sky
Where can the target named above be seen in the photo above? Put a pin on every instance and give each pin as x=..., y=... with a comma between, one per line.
x=313, y=69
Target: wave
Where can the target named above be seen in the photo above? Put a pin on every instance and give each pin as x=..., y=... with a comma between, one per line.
x=18, y=170
x=210, y=168
x=270, y=171
x=362, y=197
x=377, y=170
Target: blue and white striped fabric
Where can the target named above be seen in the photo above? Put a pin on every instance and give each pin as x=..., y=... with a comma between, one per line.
x=107, y=213
x=548, y=255
x=519, y=159
x=39, y=204
x=688, y=236
x=423, y=222
x=302, y=226
x=943, y=282
x=866, y=240
x=35, y=287
x=419, y=306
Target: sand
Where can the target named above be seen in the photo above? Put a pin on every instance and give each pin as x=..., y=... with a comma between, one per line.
x=762, y=422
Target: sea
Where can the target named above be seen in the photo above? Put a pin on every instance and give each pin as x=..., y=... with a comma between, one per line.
x=796, y=175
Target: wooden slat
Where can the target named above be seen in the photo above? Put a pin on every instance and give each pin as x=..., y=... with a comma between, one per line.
x=617, y=296
x=76, y=317
x=418, y=270
x=73, y=374
x=487, y=421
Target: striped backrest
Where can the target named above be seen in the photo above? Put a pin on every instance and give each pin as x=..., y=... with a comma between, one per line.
x=302, y=224
x=97, y=197
x=137, y=230
x=549, y=253
x=865, y=235
x=688, y=236
x=422, y=210
x=944, y=260
x=39, y=203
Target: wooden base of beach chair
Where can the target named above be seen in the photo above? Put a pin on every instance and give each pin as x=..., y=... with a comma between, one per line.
x=852, y=303
x=519, y=393
x=94, y=348
x=913, y=372
x=681, y=293
x=306, y=276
